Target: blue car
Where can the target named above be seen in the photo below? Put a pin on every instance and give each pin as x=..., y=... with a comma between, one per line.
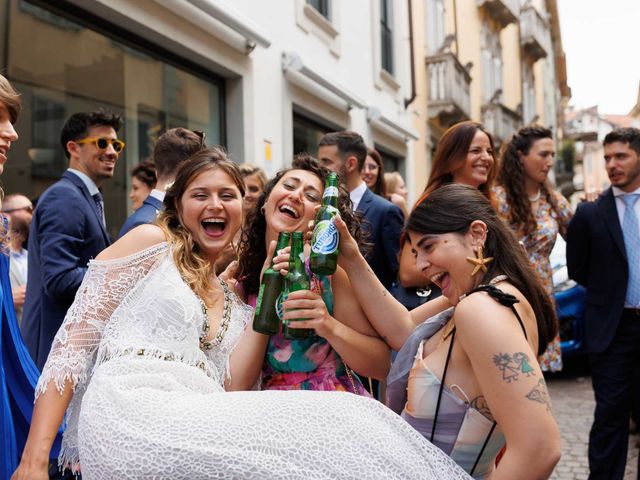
x=570, y=303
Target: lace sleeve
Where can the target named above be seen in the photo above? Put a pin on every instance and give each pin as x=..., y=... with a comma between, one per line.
x=103, y=288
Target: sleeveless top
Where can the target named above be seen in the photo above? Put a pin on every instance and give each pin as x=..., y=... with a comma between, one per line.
x=310, y=363
x=461, y=431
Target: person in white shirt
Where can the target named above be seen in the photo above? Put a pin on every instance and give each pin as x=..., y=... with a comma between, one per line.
x=345, y=153
x=19, y=211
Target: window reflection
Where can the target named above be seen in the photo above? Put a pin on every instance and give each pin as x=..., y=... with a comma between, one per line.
x=61, y=67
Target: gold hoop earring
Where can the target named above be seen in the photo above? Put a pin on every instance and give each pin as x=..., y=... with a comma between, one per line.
x=479, y=262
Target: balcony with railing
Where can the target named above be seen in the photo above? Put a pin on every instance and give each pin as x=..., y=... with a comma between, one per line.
x=534, y=33
x=500, y=121
x=449, y=82
x=504, y=11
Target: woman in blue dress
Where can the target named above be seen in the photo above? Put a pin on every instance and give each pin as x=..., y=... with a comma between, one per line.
x=18, y=373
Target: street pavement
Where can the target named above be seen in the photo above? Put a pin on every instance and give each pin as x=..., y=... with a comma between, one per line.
x=573, y=403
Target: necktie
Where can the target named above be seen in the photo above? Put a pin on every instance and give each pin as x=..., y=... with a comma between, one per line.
x=632, y=245
x=100, y=205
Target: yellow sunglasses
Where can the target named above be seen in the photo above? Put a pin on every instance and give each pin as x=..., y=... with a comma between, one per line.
x=102, y=143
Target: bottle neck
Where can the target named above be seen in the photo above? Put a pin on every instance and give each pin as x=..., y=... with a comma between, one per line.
x=283, y=241
x=295, y=261
x=330, y=196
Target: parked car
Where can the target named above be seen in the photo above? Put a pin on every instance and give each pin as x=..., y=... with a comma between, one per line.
x=570, y=302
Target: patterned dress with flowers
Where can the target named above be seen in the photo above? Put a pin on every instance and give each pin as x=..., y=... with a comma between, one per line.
x=307, y=364
x=539, y=245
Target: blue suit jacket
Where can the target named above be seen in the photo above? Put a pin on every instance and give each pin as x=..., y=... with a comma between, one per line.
x=597, y=259
x=66, y=232
x=147, y=213
x=383, y=225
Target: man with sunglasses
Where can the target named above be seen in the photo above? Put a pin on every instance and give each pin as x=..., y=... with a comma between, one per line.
x=68, y=227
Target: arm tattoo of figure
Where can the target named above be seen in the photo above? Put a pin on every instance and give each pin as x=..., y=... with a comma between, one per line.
x=512, y=366
x=480, y=404
x=540, y=394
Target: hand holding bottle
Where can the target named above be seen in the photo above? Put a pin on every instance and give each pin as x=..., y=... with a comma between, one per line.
x=309, y=311
x=349, y=250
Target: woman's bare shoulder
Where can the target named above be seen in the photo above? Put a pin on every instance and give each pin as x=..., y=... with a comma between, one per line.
x=480, y=309
x=137, y=240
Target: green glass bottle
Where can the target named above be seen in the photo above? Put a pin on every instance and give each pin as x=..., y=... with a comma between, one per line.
x=296, y=279
x=266, y=318
x=325, y=239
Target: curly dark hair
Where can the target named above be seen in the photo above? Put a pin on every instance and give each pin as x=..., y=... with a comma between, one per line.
x=252, y=250
x=451, y=209
x=145, y=171
x=511, y=177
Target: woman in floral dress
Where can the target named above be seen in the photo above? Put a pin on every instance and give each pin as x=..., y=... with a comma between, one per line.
x=535, y=211
x=344, y=339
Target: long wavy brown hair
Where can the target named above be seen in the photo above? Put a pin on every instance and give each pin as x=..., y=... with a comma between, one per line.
x=451, y=154
x=253, y=251
x=511, y=177
x=196, y=270
x=451, y=209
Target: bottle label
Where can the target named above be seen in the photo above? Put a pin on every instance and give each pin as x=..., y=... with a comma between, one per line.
x=259, y=301
x=279, y=307
x=330, y=192
x=325, y=237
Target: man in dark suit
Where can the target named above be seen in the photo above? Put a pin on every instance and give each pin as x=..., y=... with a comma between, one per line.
x=68, y=227
x=173, y=148
x=603, y=254
x=344, y=153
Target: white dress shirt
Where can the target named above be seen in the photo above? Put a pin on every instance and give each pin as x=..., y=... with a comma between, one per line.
x=356, y=195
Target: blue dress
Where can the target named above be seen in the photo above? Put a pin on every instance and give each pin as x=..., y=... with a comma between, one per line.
x=18, y=378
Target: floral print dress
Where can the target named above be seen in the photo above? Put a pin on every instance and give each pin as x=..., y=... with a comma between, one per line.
x=539, y=245
x=311, y=363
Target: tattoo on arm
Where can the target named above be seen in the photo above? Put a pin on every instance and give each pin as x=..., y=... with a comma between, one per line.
x=540, y=394
x=513, y=366
x=480, y=404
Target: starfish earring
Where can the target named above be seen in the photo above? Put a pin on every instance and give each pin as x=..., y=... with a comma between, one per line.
x=479, y=262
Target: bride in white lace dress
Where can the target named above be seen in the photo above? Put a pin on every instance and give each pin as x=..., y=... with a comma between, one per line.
x=145, y=360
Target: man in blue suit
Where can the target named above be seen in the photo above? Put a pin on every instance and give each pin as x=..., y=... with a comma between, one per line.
x=68, y=227
x=344, y=153
x=603, y=254
x=173, y=148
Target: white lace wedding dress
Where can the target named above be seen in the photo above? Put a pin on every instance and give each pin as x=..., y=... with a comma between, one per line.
x=149, y=403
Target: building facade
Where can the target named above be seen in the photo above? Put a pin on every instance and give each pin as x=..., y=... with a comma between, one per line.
x=498, y=62
x=264, y=79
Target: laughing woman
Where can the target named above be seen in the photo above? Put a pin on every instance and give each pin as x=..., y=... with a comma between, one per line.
x=467, y=378
x=344, y=338
x=153, y=340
